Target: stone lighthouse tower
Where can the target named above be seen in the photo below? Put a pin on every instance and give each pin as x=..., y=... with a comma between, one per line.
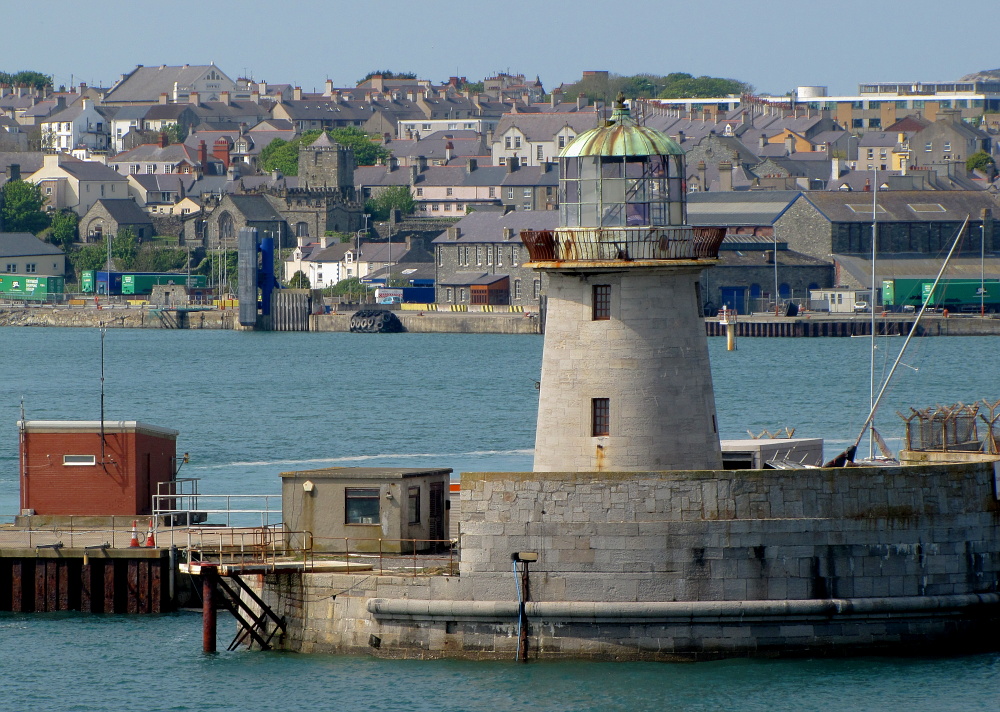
x=626, y=383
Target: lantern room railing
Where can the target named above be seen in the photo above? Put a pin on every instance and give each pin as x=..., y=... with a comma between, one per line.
x=626, y=244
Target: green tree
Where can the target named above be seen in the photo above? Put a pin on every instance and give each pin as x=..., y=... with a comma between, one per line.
x=283, y=155
x=675, y=85
x=387, y=74
x=176, y=133
x=366, y=151
x=150, y=258
x=981, y=161
x=124, y=248
x=352, y=288
x=93, y=256
x=299, y=281
x=64, y=229
x=26, y=77
x=395, y=197
x=22, y=208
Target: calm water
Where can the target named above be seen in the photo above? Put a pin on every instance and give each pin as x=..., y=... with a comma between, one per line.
x=250, y=405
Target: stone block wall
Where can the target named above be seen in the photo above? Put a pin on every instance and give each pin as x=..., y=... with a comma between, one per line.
x=739, y=535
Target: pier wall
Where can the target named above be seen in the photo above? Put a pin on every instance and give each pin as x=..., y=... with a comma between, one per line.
x=685, y=565
x=131, y=318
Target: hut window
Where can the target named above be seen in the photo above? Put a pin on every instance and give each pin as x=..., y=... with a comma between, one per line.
x=413, y=505
x=361, y=505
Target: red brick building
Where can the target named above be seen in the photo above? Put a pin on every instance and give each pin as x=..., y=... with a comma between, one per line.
x=65, y=469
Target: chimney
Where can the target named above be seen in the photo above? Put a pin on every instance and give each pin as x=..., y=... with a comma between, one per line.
x=203, y=155
x=762, y=142
x=324, y=242
x=328, y=87
x=726, y=176
x=300, y=241
x=224, y=98
x=835, y=168
x=868, y=185
x=680, y=137
x=790, y=144
x=220, y=150
x=255, y=96
x=297, y=94
x=414, y=172
x=702, y=178
x=421, y=164
x=546, y=166
x=163, y=139
x=508, y=233
x=392, y=164
x=454, y=233
x=471, y=164
x=554, y=99
x=14, y=171
x=163, y=97
x=581, y=101
x=262, y=88
x=194, y=98
x=769, y=257
x=513, y=163
x=448, y=148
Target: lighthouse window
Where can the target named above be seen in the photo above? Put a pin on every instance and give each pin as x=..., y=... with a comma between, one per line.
x=600, y=416
x=602, y=302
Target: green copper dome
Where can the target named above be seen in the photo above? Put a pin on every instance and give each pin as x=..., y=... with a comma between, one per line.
x=622, y=136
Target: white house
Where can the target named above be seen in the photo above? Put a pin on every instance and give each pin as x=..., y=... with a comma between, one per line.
x=77, y=126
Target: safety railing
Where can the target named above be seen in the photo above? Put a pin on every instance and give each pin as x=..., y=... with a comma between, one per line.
x=408, y=557
x=270, y=545
x=623, y=243
x=179, y=502
x=73, y=535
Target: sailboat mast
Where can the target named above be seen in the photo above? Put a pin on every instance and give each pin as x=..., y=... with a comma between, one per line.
x=871, y=304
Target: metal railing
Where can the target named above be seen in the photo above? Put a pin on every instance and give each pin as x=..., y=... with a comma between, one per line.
x=178, y=502
x=623, y=243
x=70, y=536
x=411, y=557
x=270, y=545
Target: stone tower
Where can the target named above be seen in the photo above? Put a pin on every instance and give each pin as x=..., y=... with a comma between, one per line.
x=327, y=164
x=626, y=383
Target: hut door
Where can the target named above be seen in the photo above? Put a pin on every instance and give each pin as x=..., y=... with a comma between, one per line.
x=436, y=518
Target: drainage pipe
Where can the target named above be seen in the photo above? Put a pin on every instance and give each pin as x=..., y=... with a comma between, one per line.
x=680, y=610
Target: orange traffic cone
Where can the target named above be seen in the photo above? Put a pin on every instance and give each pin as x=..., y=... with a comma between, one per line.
x=150, y=541
x=135, y=535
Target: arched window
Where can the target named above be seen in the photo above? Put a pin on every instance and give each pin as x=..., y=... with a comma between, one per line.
x=755, y=291
x=227, y=227
x=302, y=229
x=784, y=291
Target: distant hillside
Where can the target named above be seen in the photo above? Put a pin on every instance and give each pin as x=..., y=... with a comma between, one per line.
x=987, y=75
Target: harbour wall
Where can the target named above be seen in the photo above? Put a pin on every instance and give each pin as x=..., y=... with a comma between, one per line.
x=685, y=565
x=115, y=317
x=431, y=322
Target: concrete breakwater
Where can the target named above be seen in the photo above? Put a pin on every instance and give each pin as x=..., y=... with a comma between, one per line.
x=118, y=317
x=684, y=565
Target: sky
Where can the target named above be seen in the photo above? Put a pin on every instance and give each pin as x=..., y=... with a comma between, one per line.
x=775, y=45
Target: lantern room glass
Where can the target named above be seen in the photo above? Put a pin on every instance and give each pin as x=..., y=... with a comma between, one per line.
x=622, y=191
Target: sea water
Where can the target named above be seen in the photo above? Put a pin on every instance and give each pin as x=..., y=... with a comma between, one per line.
x=251, y=405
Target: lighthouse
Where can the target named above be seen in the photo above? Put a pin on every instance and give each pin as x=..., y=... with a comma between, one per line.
x=626, y=383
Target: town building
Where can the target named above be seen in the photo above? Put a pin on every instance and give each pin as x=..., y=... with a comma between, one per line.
x=481, y=260
x=67, y=182
x=109, y=217
x=23, y=253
